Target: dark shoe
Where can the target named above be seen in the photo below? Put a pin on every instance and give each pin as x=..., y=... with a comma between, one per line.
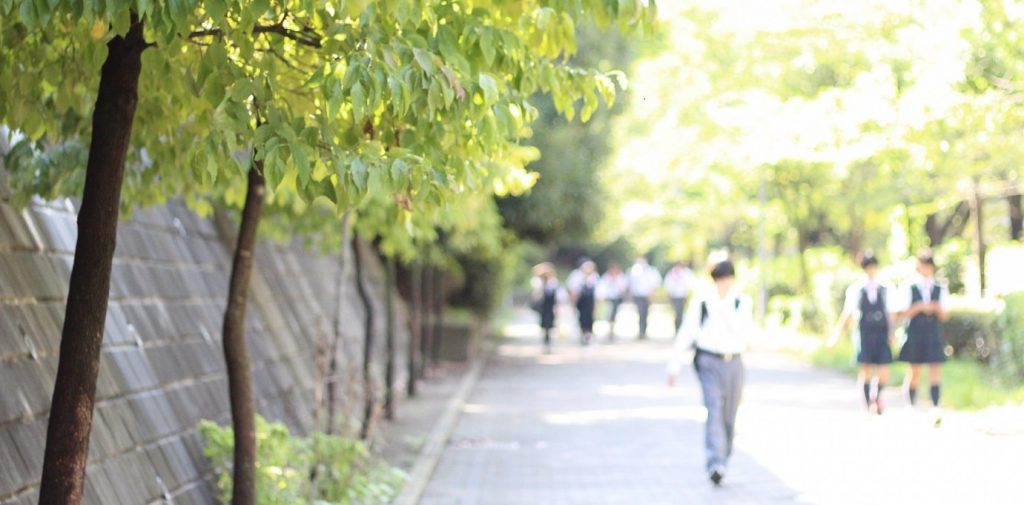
x=716, y=476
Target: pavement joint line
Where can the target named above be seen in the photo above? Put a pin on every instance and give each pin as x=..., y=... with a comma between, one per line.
x=430, y=455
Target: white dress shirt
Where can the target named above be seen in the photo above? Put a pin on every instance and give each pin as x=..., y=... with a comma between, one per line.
x=612, y=287
x=679, y=281
x=643, y=280
x=852, y=303
x=925, y=285
x=727, y=330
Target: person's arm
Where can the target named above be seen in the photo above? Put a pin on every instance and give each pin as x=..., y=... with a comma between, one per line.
x=942, y=305
x=846, y=318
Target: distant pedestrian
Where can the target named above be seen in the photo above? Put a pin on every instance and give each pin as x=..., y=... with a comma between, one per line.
x=679, y=282
x=546, y=293
x=612, y=289
x=925, y=308
x=717, y=327
x=643, y=280
x=583, y=292
x=868, y=301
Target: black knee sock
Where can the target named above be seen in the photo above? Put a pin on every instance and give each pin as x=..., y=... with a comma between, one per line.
x=867, y=392
x=935, y=394
x=878, y=394
x=912, y=392
x=547, y=336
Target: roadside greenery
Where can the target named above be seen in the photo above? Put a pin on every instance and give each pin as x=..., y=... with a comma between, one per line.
x=294, y=470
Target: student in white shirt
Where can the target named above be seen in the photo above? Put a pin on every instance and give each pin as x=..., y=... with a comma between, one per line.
x=612, y=289
x=678, y=283
x=869, y=303
x=717, y=327
x=643, y=280
x=925, y=308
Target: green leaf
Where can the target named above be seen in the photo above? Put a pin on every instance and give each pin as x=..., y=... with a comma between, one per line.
x=360, y=173
x=424, y=60
x=358, y=102
x=216, y=8
x=489, y=87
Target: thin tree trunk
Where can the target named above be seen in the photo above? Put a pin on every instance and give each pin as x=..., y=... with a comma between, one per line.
x=369, y=402
x=333, y=375
x=389, y=336
x=236, y=354
x=426, y=317
x=74, y=392
x=979, y=220
x=438, y=334
x=416, y=306
x=1016, y=217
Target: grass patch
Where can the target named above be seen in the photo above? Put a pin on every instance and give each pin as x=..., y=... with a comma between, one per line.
x=966, y=385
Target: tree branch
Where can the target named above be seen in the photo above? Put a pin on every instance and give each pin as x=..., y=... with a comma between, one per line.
x=306, y=36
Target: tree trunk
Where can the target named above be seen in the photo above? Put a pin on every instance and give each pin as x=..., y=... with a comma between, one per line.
x=74, y=392
x=416, y=307
x=979, y=221
x=1016, y=217
x=426, y=317
x=389, y=336
x=333, y=374
x=369, y=403
x=437, y=335
x=236, y=355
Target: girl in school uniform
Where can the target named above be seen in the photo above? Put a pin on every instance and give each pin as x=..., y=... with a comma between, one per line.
x=868, y=302
x=546, y=289
x=584, y=294
x=925, y=309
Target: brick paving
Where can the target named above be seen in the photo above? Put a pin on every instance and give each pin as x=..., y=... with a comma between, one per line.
x=597, y=425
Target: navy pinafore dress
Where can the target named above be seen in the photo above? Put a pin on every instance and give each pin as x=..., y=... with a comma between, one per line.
x=924, y=333
x=874, y=329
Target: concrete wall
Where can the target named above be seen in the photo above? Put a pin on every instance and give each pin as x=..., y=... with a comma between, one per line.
x=162, y=367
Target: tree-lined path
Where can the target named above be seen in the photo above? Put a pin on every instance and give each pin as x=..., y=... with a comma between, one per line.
x=598, y=426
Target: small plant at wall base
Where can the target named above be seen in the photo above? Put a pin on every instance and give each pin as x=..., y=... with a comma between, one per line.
x=294, y=470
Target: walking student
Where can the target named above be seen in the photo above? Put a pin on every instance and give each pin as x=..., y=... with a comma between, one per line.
x=868, y=303
x=643, y=280
x=717, y=327
x=925, y=309
x=678, y=283
x=546, y=290
x=612, y=289
x=583, y=292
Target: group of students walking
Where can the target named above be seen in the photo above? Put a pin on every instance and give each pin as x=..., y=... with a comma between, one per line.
x=876, y=308
x=718, y=326
x=585, y=289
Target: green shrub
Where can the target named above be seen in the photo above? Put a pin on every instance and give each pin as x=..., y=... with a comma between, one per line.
x=971, y=332
x=292, y=470
x=951, y=257
x=1010, y=323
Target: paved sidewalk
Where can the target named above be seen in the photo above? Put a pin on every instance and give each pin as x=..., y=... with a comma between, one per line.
x=596, y=425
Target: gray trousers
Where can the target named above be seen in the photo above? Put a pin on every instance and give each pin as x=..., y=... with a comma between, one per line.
x=677, y=307
x=721, y=382
x=643, y=305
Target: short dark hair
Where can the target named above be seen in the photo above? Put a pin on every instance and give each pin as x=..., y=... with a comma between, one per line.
x=722, y=270
x=868, y=260
x=926, y=258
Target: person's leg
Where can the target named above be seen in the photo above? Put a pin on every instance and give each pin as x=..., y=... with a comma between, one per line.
x=643, y=304
x=715, y=439
x=733, y=394
x=883, y=380
x=935, y=377
x=913, y=374
x=864, y=379
x=677, y=308
x=611, y=317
